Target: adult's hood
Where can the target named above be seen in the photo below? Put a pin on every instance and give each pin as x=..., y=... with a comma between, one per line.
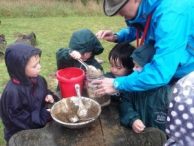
x=16, y=58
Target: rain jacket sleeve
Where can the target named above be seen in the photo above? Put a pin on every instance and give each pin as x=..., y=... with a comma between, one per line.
x=170, y=53
x=22, y=118
x=127, y=112
x=126, y=34
x=63, y=58
x=40, y=117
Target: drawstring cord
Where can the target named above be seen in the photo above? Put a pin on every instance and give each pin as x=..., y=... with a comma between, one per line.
x=144, y=32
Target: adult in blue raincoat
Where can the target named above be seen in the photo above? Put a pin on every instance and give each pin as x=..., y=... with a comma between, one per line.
x=168, y=25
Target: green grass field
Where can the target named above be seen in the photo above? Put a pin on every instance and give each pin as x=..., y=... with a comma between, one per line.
x=53, y=33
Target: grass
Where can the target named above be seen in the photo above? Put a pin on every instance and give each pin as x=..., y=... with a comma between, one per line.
x=53, y=33
x=42, y=8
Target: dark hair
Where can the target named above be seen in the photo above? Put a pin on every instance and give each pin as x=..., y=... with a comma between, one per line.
x=123, y=51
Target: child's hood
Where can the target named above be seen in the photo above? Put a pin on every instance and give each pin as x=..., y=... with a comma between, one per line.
x=143, y=54
x=16, y=58
x=85, y=41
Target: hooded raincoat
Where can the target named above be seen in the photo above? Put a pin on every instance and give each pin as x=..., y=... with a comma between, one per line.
x=82, y=41
x=22, y=105
x=149, y=106
x=171, y=30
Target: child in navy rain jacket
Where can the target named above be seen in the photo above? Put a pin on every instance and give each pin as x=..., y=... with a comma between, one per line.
x=23, y=102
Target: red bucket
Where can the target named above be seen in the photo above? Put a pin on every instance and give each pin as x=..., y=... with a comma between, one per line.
x=67, y=79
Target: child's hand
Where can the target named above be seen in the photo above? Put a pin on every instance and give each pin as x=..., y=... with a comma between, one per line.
x=138, y=126
x=75, y=54
x=49, y=98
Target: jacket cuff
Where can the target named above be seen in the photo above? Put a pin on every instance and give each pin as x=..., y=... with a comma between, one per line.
x=132, y=121
x=115, y=84
x=116, y=38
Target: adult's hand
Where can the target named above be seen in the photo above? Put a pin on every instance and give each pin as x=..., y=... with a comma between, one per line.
x=107, y=35
x=104, y=86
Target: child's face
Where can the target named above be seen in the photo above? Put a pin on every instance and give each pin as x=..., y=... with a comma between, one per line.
x=85, y=56
x=117, y=68
x=33, y=66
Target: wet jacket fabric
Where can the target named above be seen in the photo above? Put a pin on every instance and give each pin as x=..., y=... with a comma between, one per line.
x=150, y=106
x=180, y=119
x=82, y=41
x=171, y=30
x=85, y=41
x=22, y=104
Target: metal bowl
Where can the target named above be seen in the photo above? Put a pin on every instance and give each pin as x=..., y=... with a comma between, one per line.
x=61, y=110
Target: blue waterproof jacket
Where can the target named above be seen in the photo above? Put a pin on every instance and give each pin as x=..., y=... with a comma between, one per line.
x=171, y=30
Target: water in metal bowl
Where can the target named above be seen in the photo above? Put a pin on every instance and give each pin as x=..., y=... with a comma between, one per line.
x=65, y=112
